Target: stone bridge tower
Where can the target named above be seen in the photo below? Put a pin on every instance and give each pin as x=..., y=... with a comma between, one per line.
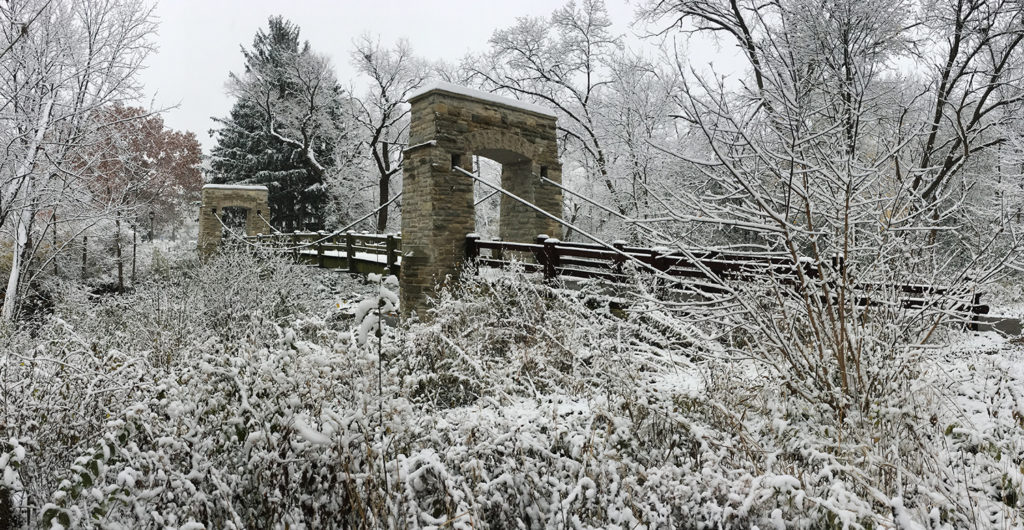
x=216, y=197
x=449, y=125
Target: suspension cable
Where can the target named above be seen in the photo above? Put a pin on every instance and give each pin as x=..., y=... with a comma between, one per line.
x=489, y=195
x=658, y=272
x=276, y=231
x=637, y=222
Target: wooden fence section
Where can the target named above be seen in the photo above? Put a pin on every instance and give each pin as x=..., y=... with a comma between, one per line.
x=381, y=254
x=554, y=258
x=359, y=253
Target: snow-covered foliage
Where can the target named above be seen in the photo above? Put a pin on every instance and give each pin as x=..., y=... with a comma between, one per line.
x=62, y=379
x=66, y=64
x=237, y=395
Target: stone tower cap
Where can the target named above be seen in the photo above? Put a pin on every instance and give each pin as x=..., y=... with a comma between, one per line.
x=456, y=90
x=239, y=187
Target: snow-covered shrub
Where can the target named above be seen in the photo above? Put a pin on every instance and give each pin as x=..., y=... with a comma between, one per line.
x=518, y=405
x=233, y=296
x=12, y=453
x=63, y=378
x=515, y=337
x=230, y=440
x=731, y=442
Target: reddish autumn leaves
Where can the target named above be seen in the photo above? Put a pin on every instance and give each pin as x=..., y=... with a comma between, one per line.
x=135, y=163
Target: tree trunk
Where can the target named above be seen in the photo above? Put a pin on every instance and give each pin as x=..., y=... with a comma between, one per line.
x=135, y=246
x=85, y=255
x=55, y=271
x=384, y=189
x=21, y=245
x=117, y=251
x=25, y=215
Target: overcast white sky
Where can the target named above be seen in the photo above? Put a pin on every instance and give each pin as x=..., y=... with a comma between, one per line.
x=199, y=40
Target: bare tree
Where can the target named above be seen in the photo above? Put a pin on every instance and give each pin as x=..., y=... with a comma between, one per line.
x=825, y=154
x=394, y=73
x=562, y=62
x=64, y=61
x=636, y=118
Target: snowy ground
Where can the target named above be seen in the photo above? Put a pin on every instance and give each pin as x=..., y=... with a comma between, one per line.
x=246, y=394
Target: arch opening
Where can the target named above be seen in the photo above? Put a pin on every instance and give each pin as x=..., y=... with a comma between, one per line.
x=501, y=216
x=233, y=220
x=486, y=201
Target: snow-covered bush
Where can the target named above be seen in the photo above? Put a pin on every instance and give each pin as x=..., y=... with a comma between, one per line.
x=518, y=405
x=12, y=453
x=63, y=378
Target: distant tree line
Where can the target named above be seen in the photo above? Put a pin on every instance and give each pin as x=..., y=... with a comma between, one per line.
x=77, y=158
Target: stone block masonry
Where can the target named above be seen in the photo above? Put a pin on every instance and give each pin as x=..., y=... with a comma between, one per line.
x=216, y=197
x=449, y=125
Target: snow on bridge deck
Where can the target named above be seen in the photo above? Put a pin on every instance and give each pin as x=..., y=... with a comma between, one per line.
x=359, y=256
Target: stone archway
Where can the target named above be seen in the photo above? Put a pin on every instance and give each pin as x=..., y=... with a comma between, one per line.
x=450, y=124
x=216, y=197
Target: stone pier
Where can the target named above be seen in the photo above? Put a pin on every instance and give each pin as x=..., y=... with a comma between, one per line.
x=216, y=197
x=449, y=125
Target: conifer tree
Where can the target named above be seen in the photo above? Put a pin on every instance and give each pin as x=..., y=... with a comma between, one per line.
x=284, y=128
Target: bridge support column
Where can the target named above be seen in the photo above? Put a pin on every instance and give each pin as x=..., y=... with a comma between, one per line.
x=448, y=125
x=216, y=197
x=437, y=213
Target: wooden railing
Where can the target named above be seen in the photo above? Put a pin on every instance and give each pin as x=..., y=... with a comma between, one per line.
x=704, y=270
x=360, y=253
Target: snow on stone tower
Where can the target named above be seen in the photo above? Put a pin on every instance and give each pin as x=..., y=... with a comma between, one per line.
x=449, y=125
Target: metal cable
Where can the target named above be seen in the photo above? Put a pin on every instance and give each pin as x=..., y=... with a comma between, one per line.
x=563, y=222
x=654, y=231
x=268, y=223
x=328, y=236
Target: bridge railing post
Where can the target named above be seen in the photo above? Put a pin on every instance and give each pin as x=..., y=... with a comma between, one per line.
x=618, y=261
x=320, y=249
x=391, y=247
x=498, y=253
x=551, y=260
x=655, y=258
x=350, y=251
x=473, y=252
x=540, y=255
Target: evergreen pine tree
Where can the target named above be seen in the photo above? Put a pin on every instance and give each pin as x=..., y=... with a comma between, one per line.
x=284, y=127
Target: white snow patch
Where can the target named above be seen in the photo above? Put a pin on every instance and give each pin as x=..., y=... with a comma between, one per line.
x=451, y=88
x=309, y=433
x=239, y=187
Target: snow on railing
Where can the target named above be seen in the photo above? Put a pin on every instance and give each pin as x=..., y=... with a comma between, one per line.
x=707, y=271
x=703, y=271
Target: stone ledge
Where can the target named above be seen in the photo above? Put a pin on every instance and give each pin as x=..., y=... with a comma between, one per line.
x=479, y=96
x=236, y=187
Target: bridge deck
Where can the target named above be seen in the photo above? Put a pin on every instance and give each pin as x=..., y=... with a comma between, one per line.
x=694, y=271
